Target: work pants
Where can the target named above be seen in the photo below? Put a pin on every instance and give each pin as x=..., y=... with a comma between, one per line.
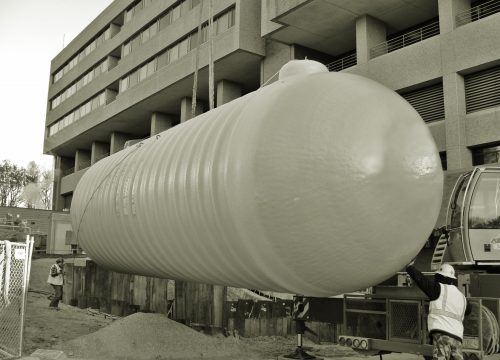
x=446, y=348
x=58, y=290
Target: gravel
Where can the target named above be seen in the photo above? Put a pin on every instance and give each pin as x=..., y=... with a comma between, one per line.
x=144, y=336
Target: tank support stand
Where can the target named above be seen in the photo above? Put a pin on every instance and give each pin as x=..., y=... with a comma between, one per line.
x=300, y=353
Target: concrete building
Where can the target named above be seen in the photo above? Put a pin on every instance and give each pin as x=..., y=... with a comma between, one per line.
x=130, y=73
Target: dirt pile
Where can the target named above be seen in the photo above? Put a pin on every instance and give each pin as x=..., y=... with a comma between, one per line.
x=144, y=336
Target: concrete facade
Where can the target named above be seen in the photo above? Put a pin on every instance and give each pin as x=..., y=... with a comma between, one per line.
x=152, y=47
x=406, y=45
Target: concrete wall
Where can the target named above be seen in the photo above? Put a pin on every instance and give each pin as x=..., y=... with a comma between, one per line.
x=277, y=55
x=68, y=182
x=37, y=220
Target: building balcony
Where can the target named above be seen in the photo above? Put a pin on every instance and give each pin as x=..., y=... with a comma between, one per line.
x=69, y=181
x=404, y=40
x=343, y=63
x=478, y=12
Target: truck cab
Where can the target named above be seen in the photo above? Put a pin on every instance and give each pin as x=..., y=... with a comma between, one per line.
x=472, y=236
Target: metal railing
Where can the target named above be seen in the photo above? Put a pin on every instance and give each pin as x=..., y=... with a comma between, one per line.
x=68, y=171
x=407, y=39
x=478, y=12
x=101, y=156
x=84, y=164
x=343, y=63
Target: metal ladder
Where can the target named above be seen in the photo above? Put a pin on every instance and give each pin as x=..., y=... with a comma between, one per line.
x=439, y=251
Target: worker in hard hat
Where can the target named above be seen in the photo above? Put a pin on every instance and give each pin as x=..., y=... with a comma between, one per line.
x=447, y=309
x=56, y=280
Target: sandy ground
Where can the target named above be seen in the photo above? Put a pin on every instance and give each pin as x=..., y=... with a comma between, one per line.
x=84, y=335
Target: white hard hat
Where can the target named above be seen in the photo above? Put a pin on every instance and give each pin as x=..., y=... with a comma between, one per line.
x=447, y=270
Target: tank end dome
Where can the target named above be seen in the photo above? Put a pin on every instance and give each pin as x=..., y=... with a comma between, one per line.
x=301, y=67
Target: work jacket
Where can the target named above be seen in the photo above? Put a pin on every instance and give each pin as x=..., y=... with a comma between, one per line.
x=447, y=304
x=446, y=313
x=56, y=276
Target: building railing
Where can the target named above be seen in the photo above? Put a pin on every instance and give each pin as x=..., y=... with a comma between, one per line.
x=84, y=164
x=407, y=39
x=68, y=171
x=101, y=156
x=478, y=12
x=343, y=63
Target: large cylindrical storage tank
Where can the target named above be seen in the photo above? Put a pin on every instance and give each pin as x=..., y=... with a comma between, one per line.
x=319, y=184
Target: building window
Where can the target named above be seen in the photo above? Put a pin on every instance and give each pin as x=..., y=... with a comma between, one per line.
x=176, y=12
x=124, y=84
x=89, y=106
x=134, y=9
x=482, y=89
x=98, y=40
x=143, y=71
x=428, y=101
x=174, y=52
x=486, y=155
x=485, y=203
x=127, y=47
x=67, y=201
x=221, y=23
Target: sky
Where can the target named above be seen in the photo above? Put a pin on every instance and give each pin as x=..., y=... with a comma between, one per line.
x=32, y=33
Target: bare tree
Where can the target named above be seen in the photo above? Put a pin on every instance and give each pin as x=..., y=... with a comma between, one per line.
x=30, y=187
x=33, y=172
x=31, y=193
x=46, y=184
x=12, y=182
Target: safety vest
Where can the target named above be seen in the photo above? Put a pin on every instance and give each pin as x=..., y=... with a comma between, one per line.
x=58, y=279
x=446, y=313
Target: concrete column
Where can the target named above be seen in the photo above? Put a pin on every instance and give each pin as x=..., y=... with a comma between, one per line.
x=457, y=153
x=277, y=55
x=117, y=142
x=61, y=166
x=227, y=91
x=448, y=10
x=369, y=32
x=186, y=104
x=99, y=150
x=161, y=122
x=82, y=159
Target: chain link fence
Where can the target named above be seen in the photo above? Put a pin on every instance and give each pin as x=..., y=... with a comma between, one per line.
x=405, y=320
x=15, y=262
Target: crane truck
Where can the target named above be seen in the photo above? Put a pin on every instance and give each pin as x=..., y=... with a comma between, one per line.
x=391, y=317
